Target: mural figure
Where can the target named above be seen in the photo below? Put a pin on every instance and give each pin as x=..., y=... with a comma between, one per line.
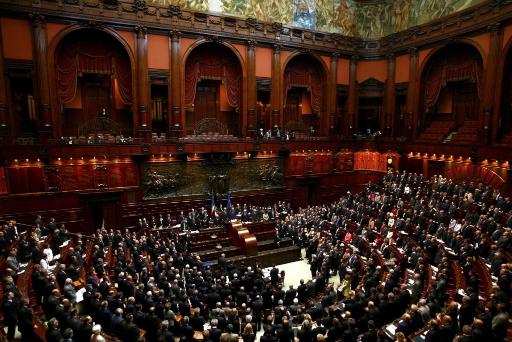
x=235, y=7
x=198, y=5
x=367, y=19
x=323, y=11
x=344, y=20
x=303, y=15
x=400, y=15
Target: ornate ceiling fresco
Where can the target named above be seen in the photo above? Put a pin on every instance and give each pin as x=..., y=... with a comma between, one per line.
x=361, y=18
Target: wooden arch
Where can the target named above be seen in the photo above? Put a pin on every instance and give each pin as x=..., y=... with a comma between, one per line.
x=53, y=46
x=242, y=63
x=324, y=117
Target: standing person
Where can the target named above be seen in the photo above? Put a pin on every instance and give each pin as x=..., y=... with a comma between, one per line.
x=10, y=315
x=25, y=318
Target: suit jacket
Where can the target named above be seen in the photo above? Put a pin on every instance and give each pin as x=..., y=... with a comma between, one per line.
x=229, y=337
x=10, y=311
x=25, y=315
x=215, y=334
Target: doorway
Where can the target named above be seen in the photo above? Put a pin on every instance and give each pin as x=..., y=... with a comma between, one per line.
x=97, y=95
x=102, y=211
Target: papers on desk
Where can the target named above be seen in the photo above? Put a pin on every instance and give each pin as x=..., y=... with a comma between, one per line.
x=64, y=244
x=80, y=295
x=390, y=330
x=434, y=269
x=461, y=292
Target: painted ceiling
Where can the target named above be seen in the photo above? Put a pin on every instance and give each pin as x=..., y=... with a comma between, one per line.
x=360, y=18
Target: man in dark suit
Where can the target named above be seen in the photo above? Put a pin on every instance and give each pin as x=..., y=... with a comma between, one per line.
x=10, y=315
x=25, y=325
x=128, y=331
x=214, y=331
x=53, y=333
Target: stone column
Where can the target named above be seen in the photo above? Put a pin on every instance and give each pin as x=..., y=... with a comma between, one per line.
x=388, y=123
x=45, y=122
x=5, y=125
x=412, y=94
x=490, y=109
x=276, y=87
x=251, y=88
x=332, y=93
x=144, y=113
x=175, y=122
x=351, y=122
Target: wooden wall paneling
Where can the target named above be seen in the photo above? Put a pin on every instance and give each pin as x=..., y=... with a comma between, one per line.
x=493, y=84
x=52, y=178
x=275, y=97
x=251, y=89
x=17, y=180
x=345, y=161
x=3, y=181
x=68, y=176
x=4, y=109
x=143, y=82
x=175, y=119
x=413, y=95
x=85, y=176
x=35, y=177
x=351, y=122
x=101, y=176
x=46, y=122
x=332, y=98
x=389, y=98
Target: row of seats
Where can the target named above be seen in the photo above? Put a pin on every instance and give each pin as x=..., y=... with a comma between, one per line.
x=436, y=132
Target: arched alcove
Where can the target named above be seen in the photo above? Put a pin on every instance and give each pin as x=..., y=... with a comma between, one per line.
x=93, y=77
x=451, y=85
x=213, y=87
x=305, y=95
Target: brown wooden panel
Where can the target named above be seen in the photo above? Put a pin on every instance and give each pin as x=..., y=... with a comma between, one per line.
x=85, y=177
x=3, y=181
x=68, y=177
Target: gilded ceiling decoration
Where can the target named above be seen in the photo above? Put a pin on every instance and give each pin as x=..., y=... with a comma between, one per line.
x=361, y=18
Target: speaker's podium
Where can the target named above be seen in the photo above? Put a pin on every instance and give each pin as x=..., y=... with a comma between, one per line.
x=243, y=239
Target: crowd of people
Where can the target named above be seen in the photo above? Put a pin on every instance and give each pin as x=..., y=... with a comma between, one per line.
x=391, y=249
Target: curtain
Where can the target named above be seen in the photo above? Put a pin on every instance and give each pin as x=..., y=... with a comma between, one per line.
x=88, y=54
x=211, y=65
x=301, y=73
x=460, y=69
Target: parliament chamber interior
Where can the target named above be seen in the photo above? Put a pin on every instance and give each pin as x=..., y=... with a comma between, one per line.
x=246, y=170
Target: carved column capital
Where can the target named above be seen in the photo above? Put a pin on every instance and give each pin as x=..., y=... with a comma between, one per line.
x=140, y=6
x=37, y=19
x=278, y=48
x=413, y=51
x=174, y=11
x=390, y=57
x=175, y=35
x=494, y=27
x=141, y=31
x=335, y=55
x=355, y=58
x=251, y=44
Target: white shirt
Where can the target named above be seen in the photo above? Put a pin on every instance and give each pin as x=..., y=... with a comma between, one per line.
x=49, y=254
x=44, y=264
